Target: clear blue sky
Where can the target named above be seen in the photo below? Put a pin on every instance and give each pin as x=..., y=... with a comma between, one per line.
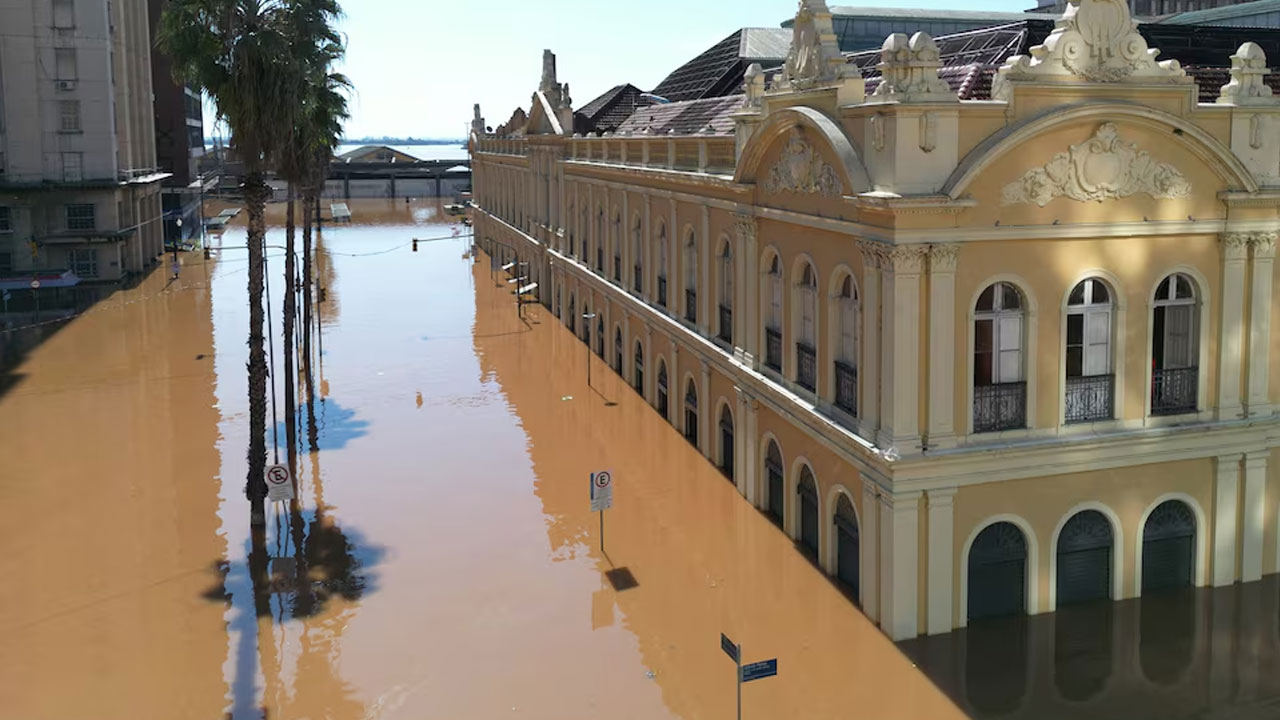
x=418, y=65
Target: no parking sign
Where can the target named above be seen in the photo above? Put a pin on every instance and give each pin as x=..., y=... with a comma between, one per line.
x=601, y=490
x=279, y=483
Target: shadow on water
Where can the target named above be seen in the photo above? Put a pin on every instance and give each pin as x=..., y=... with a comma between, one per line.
x=335, y=425
x=1202, y=653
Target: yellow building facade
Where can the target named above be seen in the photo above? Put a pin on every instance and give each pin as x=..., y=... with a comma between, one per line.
x=978, y=357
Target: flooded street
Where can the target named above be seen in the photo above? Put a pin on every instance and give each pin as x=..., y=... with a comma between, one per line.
x=454, y=568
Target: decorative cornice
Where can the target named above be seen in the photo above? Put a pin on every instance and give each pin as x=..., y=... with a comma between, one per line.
x=942, y=258
x=1104, y=167
x=906, y=259
x=800, y=169
x=913, y=205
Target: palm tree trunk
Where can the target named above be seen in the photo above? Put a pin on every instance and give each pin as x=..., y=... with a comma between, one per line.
x=307, y=299
x=290, y=313
x=255, y=195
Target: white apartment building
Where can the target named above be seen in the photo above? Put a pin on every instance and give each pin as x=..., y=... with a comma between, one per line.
x=79, y=188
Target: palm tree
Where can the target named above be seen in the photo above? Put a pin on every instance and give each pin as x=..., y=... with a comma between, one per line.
x=238, y=52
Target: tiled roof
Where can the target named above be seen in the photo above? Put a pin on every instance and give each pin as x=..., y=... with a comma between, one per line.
x=690, y=117
x=718, y=71
x=608, y=111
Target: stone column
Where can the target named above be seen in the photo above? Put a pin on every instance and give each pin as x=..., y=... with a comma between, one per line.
x=1235, y=251
x=1252, y=527
x=705, y=413
x=941, y=551
x=1264, y=252
x=1226, y=505
x=870, y=548
x=900, y=356
x=746, y=301
x=899, y=563
x=942, y=349
x=869, y=372
x=704, y=274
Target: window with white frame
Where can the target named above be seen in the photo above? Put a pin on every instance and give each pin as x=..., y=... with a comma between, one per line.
x=69, y=116
x=72, y=166
x=637, y=257
x=1175, y=347
x=773, y=318
x=65, y=63
x=691, y=278
x=999, y=387
x=806, y=353
x=83, y=262
x=846, y=355
x=1090, y=387
x=725, y=288
x=82, y=216
x=662, y=265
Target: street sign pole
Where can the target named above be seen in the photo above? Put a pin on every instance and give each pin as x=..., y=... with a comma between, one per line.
x=738, y=672
x=601, y=497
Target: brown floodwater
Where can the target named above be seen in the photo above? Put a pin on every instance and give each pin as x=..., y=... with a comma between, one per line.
x=445, y=563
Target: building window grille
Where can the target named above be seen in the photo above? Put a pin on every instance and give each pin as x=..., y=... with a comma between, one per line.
x=999, y=387
x=773, y=349
x=662, y=290
x=725, y=331
x=691, y=305
x=1175, y=352
x=69, y=116
x=806, y=367
x=847, y=388
x=82, y=217
x=84, y=262
x=1090, y=383
x=726, y=324
x=846, y=363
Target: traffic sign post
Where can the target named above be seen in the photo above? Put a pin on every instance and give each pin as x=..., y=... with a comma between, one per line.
x=601, y=497
x=279, y=483
x=746, y=673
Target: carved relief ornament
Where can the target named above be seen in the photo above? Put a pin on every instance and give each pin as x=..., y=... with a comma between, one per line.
x=800, y=169
x=1104, y=167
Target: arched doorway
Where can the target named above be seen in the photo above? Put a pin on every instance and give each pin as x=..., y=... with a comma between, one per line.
x=726, y=442
x=691, y=413
x=807, y=489
x=638, y=369
x=662, y=393
x=1168, y=547
x=998, y=572
x=617, y=350
x=847, y=546
x=773, y=479
x=1084, y=558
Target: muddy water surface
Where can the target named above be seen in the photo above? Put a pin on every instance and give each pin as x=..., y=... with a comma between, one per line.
x=453, y=568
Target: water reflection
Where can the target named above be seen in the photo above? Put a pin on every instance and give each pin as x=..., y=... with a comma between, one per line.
x=1202, y=653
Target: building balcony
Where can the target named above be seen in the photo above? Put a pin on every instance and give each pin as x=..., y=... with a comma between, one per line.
x=773, y=349
x=1090, y=398
x=1002, y=406
x=1175, y=390
x=691, y=305
x=725, y=331
x=847, y=388
x=806, y=367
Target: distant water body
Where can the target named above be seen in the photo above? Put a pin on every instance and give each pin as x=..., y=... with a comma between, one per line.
x=452, y=151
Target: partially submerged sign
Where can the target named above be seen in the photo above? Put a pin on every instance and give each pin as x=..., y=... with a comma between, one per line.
x=279, y=483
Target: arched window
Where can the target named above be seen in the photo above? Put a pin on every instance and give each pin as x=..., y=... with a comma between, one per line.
x=806, y=352
x=725, y=287
x=584, y=256
x=691, y=413
x=848, y=314
x=637, y=370
x=726, y=442
x=999, y=383
x=617, y=350
x=617, y=247
x=637, y=255
x=998, y=572
x=1090, y=380
x=1084, y=559
x=662, y=264
x=1175, y=347
x=847, y=546
x=662, y=393
x=691, y=279
x=774, y=495
x=807, y=491
x=773, y=318
x=1168, y=618
x=600, y=242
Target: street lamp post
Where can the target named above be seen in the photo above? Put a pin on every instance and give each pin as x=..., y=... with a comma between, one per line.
x=177, y=241
x=588, y=317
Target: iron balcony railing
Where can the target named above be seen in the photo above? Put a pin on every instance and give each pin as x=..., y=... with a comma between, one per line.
x=691, y=305
x=1175, y=390
x=662, y=291
x=847, y=388
x=773, y=349
x=638, y=279
x=1090, y=398
x=1002, y=406
x=725, y=332
x=806, y=367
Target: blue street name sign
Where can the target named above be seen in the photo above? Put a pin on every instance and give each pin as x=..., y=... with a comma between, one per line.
x=756, y=671
x=728, y=647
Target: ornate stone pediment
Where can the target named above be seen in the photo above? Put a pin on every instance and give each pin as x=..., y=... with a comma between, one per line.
x=800, y=169
x=814, y=58
x=1094, y=41
x=1104, y=167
